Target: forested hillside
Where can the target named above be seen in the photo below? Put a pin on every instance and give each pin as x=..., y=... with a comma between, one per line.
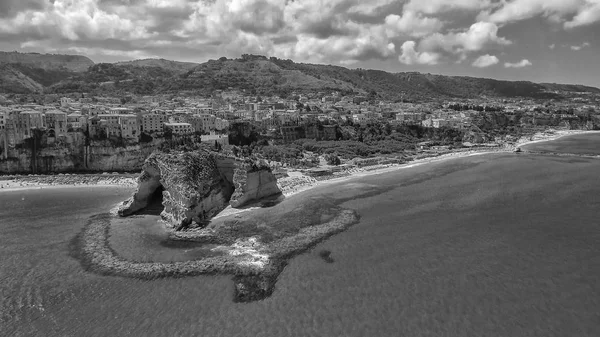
x=265, y=76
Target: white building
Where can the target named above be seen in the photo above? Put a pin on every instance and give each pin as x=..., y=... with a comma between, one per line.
x=179, y=128
x=212, y=138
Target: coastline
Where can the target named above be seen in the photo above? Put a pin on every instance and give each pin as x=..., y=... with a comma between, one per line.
x=311, y=183
x=302, y=183
x=254, y=247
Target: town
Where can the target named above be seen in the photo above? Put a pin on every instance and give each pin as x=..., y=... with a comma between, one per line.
x=56, y=125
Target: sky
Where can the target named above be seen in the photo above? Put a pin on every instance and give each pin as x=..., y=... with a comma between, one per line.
x=537, y=40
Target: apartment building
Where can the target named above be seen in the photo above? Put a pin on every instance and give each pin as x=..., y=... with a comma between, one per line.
x=154, y=122
x=56, y=122
x=179, y=128
x=27, y=120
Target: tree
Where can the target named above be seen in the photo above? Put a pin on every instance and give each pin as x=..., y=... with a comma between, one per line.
x=168, y=134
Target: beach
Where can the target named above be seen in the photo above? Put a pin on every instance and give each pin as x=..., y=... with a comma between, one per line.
x=297, y=181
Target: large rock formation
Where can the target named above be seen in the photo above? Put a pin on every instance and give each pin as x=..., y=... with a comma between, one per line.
x=197, y=185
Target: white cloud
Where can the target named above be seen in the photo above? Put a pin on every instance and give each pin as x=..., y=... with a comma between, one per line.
x=521, y=64
x=410, y=56
x=334, y=31
x=580, y=12
x=586, y=15
x=479, y=36
x=552, y=46
x=412, y=24
x=440, y=6
x=485, y=61
x=581, y=46
x=74, y=20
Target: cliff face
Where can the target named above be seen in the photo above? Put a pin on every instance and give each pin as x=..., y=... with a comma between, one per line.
x=195, y=186
x=77, y=159
x=252, y=185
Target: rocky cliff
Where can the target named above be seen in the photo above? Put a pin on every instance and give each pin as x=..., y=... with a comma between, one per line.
x=67, y=159
x=195, y=186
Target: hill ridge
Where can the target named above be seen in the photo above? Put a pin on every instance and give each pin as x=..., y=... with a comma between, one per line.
x=258, y=74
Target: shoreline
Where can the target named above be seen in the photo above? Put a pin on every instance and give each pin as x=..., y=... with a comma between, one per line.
x=35, y=182
x=312, y=183
x=508, y=148
x=29, y=182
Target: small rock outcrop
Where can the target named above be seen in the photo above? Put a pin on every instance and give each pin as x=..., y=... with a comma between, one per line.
x=251, y=184
x=197, y=185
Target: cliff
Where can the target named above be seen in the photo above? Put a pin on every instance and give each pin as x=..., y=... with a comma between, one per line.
x=195, y=186
x=75, y=158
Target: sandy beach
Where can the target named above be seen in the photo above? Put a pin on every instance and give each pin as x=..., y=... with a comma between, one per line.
x=20, y=182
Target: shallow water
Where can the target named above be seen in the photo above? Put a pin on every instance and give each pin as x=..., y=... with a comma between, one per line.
x=578, y=144
x=495, y=245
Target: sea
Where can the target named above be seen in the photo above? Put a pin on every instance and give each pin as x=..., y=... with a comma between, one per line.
x=487, y=245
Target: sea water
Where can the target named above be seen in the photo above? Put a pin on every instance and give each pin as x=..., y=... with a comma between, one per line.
x=492, y=245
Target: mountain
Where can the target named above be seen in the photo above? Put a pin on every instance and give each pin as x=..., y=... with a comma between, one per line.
x=75, y=63
x=264, y=76
x=14, y=81
x=174, y=66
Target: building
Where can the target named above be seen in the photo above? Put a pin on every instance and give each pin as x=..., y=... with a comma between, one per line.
x=438, y=123
x=109, y=123
x=213, y=138
x=27, y=120
x=130, y=127
x=120, y=111
x=56, y=122
x=75, y=121
x=179, y=128
x=3, y=121
x=153, y=122
x=359, y=118
x=221, y=124
x=207, y=122
x=125, y=126
x=65, y=102
x=409, y=117
x=289, y=133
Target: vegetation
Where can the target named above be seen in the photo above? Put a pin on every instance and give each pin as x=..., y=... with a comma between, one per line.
x=269, y=76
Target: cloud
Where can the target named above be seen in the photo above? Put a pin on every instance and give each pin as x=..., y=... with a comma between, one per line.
x=440, y=6
x=333, y=31
x=521, y=64
x=580, y=12
x=581, y=46
x=480, y=36
x=412, y=24
x=72, y=20
x=485, y=61
x=9, y=8
x=586, y=15
x=410, y=56
x=552, y=46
